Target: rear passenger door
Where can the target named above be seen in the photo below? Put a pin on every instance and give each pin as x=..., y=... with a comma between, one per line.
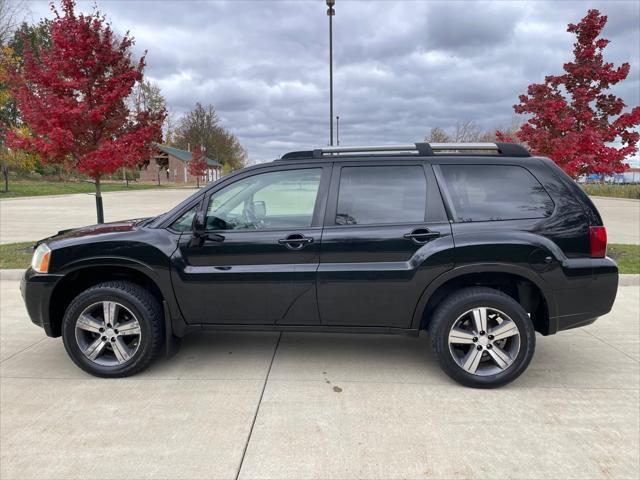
x=386, y=236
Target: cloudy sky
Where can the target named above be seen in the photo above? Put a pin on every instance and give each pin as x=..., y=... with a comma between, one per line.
x=401, y=67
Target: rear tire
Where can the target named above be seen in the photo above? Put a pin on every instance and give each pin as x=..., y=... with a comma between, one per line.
x=113, y=329
x=482, y=337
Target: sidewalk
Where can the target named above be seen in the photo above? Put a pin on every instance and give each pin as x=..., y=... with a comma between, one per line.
x=321, y=406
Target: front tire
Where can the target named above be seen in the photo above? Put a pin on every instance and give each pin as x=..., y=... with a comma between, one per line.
x=113, y=329
x=482, y=337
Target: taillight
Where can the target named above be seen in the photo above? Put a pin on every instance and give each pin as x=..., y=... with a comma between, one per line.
x=598, y=241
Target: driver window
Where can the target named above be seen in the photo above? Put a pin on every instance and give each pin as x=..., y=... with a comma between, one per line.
x=274, y=200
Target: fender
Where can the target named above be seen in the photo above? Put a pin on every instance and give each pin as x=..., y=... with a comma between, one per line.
x=507, y=251
x=482, y=268
x=159, y=276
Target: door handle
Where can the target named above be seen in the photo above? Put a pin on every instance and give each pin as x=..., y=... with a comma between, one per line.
x=421, y=235
x=295, y=241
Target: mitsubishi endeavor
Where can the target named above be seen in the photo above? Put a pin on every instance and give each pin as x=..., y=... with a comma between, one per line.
x=481, y=245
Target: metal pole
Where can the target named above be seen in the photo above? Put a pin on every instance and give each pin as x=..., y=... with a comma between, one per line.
x=331, y=12
x=338, y=130
x=331, y=77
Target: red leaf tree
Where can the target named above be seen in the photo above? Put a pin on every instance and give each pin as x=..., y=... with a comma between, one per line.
x=72, y=96
x=573, y=120
x=198, y=164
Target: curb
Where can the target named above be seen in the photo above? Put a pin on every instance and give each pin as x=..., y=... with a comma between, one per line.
x=624, y=280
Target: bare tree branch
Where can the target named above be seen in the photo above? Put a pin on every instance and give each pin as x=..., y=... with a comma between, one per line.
x=12, y=12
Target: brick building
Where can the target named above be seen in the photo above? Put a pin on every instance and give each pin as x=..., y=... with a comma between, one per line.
x=171, y=165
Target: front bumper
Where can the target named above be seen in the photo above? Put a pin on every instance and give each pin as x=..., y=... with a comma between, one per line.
x=590, y=290
x=36, y=289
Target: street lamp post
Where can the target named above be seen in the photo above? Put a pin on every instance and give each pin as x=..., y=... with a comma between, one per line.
x=331, y=12
x=338, y=130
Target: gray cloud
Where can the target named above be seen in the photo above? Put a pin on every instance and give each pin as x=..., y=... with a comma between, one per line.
x=401, y=67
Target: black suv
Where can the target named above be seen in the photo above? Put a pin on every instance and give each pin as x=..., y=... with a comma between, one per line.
x=480, y=244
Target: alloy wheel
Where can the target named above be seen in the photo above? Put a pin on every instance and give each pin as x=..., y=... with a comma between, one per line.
x=484, y=341
x=108, y=333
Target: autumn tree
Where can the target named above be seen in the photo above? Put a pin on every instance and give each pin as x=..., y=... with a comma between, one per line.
x=198, y=163
x=35, y=36
x=573, y=119
x=73, y=98
x=15, y=161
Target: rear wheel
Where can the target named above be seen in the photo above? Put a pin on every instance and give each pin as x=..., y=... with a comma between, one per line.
x=482, y=337
x=113, y=329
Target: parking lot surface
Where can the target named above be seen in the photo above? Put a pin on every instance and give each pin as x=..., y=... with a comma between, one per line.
x=33, y=218
x=265, y=405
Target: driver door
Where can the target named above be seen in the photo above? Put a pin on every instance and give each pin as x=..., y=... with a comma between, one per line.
x=257, y=261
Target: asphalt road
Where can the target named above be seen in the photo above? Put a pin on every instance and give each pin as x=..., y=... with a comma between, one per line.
x=33, y=218
x=260, y=405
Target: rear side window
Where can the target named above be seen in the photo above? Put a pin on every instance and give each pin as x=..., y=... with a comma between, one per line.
x=381, y=195
x=494, y=192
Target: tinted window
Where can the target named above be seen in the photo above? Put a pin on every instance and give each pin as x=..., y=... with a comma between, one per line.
x=283, y=199
x=494, y=192
x=375, y=195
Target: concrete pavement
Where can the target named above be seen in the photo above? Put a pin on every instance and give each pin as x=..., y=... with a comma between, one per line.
x=621, y=217
x=32, y=218
x=261, y=405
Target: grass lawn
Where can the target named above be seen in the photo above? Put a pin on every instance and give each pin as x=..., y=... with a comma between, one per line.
x=626, y=256
x=18, y=255
x=25, y=188
x=618, y=191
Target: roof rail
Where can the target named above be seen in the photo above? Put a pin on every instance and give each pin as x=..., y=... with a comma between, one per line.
x=424, y=149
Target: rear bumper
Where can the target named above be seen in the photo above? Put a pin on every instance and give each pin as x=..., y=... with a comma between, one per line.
x=36, y=289
x=592, y=285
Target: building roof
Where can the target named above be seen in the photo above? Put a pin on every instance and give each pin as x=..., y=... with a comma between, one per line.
x=184, y=155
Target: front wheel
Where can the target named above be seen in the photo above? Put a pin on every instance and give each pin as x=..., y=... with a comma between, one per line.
x=482, y=337
x=113, y=329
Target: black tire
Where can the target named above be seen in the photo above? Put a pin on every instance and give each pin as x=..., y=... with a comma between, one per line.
x=141, y=303
x=455, y=305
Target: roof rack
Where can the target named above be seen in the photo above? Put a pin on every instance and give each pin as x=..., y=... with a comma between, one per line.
x=423, y=149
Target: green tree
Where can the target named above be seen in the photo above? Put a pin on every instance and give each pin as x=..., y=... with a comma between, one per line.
x=147, y=97
x=202, y=126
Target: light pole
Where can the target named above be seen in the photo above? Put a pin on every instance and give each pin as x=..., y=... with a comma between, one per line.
x=338, y=130
x=331, y=12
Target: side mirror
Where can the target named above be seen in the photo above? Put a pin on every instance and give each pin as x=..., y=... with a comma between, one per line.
x=200, y=234
x=199, y=223
x=259, y=209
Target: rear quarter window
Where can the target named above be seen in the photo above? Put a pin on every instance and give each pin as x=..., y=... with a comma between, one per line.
x=480, y=193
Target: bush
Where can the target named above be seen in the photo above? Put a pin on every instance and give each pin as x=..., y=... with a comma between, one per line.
x=612, y=190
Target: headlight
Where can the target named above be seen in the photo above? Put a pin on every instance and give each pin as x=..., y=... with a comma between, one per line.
x=41, y=257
